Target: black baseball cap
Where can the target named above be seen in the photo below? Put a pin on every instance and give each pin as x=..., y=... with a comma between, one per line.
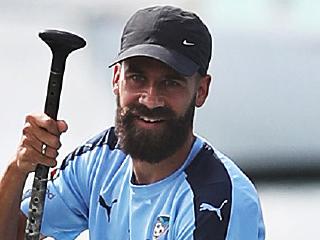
x=176, y=37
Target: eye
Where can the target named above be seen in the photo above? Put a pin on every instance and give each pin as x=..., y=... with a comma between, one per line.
x=172, y=83
x=135, y=77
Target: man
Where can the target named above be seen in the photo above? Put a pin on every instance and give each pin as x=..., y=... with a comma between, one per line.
x=150, y=176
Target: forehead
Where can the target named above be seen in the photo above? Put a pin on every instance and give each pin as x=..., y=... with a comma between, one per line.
x=145, y=64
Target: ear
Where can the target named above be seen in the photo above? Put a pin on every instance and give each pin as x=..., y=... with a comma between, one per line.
x=116, y=78
x=203, y=90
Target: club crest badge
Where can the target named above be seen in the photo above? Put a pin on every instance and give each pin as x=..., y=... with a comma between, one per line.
x=161, y=227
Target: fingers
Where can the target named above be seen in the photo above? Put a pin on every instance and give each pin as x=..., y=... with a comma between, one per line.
x=28, y=158
x=45, y=129
x=45, y=122
x=29, y=140
x=39, y=136
x=40, y=142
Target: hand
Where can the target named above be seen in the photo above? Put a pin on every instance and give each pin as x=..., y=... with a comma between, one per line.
x=40, y=142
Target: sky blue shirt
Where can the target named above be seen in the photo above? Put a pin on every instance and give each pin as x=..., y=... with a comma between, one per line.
x=208, y=197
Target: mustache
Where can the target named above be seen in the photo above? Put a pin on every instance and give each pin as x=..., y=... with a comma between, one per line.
x=141, y=110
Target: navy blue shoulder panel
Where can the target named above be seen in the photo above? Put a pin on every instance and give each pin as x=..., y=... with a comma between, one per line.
x=212, y=189
x=106, y=137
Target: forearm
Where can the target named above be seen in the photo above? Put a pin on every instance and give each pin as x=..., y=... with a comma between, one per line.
x=11, y=188
x=39, y=130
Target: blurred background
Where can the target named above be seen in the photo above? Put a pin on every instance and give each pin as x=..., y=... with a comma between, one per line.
x=263, y=107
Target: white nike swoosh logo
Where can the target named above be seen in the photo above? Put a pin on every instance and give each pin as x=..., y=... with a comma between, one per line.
x=186, y=43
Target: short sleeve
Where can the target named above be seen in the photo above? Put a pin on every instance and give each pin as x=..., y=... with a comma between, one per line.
x=246, y=221
x=66, y=208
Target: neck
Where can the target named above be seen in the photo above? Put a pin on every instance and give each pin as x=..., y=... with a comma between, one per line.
x=147, y=173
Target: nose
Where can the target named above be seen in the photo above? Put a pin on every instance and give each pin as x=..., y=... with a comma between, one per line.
x=151, y=98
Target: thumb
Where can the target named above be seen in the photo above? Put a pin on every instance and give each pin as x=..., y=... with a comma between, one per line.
x=62, y=126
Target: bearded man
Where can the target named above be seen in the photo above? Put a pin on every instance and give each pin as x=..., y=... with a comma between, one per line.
x=150, y=176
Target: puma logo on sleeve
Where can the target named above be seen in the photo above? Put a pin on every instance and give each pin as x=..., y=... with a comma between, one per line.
x=209, y=207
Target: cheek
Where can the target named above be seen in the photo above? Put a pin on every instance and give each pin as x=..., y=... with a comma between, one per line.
x=184, y=105
x=125, y=98
x=178, y=105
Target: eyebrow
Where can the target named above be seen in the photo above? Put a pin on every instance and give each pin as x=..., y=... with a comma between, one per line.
x=177, y=76
x=133, y=68
x=172, y=74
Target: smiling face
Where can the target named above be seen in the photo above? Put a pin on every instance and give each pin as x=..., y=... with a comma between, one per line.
x=155, y=107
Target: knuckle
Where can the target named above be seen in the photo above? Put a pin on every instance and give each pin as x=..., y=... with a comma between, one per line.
x=27, y=128
x=49, y=122
x=52, y=153
x=56, y=144
x=46, y=124
x=52, y=126
x=29, y=118
x=24, y=140
x=22, y=151
x=55, y=154
x=27, y=154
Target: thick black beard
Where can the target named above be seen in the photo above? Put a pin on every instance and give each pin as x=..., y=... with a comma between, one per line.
x=149, y=145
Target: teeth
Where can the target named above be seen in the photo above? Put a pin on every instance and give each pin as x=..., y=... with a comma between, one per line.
x=149, y=119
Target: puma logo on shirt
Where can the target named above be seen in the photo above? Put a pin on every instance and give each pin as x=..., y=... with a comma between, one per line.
x=106, y=206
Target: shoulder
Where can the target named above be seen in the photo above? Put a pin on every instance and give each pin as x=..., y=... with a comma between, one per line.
x=211, y=186
x=220, y=191
x=212, y=168
x=243, y=190
x=95, y=158
x=105, y=139
x=246, y=219
x=206, y=167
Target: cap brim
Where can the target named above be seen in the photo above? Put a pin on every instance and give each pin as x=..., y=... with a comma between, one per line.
x=178, y=62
